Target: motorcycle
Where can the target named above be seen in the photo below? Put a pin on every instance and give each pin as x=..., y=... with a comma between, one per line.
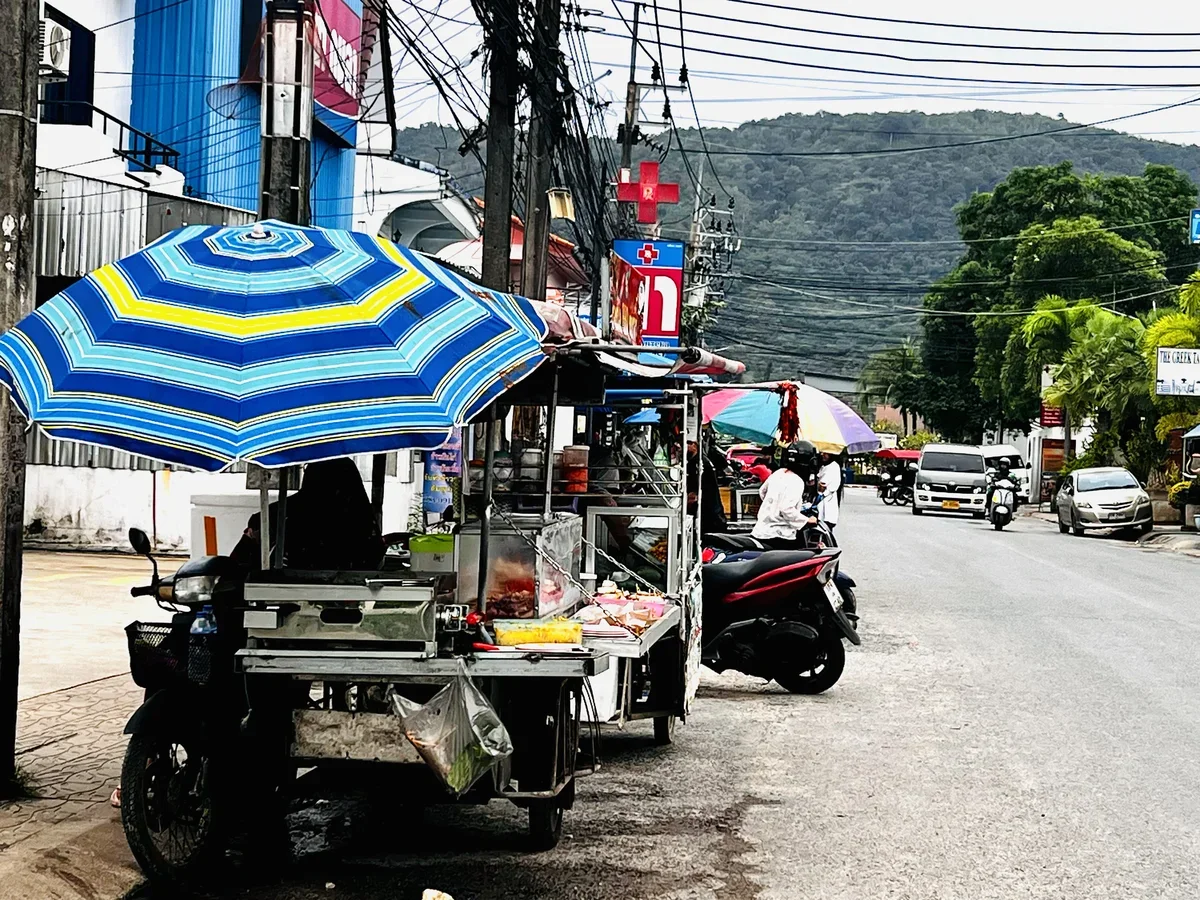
x=193, y=767
x=886, y=489
x=1002, y=500
x=777, y=615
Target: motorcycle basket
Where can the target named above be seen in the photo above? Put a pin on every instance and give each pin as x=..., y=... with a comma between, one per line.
x=155, y=657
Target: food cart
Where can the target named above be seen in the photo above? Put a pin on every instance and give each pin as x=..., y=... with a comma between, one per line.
x=574, y=601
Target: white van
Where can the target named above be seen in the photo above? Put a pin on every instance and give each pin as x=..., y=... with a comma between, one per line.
x=950, y=477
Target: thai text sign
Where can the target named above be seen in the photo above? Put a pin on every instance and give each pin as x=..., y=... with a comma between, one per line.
x=442, y=465
x=661, y=265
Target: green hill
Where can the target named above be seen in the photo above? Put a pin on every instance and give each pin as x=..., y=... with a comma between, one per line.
x=830, y=304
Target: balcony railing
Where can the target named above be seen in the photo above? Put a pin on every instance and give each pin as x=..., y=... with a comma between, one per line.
x=140, y=149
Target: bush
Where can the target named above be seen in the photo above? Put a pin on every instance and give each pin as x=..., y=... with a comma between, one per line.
x=1181, y=493
x=919, y=439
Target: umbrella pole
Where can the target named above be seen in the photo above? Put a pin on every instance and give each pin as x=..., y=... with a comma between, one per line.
x=281, y=523
x=485, y=513
x=548, y=457
x=264, y=523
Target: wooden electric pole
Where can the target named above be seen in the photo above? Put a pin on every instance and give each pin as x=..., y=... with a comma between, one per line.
x=287, y=113
x=19, y=58
x=543, y=129
x=501, y=130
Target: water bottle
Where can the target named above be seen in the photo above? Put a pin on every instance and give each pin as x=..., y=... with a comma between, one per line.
x=204, y=623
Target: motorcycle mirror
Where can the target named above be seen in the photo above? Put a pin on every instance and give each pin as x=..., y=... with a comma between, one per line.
x=912, y=467
x=991, y=471
x=139, y=541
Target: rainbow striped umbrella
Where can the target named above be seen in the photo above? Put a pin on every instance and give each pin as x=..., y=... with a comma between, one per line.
x=270, y=343
x=757, y=414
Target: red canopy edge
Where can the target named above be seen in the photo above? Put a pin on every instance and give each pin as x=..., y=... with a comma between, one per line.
x=894, y=453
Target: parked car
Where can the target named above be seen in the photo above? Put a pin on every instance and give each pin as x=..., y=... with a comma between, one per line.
x=951, y=477
x=1103, y=497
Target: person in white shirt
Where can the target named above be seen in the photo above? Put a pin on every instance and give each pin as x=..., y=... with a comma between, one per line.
x=829, y=483
x=781, y=516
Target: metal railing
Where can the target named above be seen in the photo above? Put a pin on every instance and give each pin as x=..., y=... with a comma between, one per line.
x=133, y=145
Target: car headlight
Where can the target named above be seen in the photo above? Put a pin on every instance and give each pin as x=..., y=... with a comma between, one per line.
x=1083, y=504
x=977, y=490
x=922, y=487
x=197, y=589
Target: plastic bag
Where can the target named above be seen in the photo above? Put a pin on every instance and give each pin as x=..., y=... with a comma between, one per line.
x=457, y=733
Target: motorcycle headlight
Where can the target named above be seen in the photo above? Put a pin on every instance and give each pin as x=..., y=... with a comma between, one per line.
x=197, y=589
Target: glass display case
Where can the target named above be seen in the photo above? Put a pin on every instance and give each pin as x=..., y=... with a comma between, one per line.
x=644, y=539
x=522, y=583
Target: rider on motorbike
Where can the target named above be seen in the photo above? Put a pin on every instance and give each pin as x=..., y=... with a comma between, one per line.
x=1003, y=473
x=781, y=516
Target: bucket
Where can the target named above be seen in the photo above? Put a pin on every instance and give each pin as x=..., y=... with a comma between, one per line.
x=575, y=468
x=531, y=464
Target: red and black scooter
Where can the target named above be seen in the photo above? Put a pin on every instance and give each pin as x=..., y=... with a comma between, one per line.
x=778, y=616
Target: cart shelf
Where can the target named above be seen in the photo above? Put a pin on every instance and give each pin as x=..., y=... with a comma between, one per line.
x=318, y=665
x=639, y=646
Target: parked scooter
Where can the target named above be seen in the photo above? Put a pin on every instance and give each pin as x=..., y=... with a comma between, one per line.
x=885, y=489
x=193, y=772
x=1002, y=500
x=778, y=615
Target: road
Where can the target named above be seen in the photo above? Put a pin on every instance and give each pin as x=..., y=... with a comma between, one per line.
x=1022, y=720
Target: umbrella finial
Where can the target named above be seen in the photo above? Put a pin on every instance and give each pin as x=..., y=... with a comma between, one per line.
x=258, y=232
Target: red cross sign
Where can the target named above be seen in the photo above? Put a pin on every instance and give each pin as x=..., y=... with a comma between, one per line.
x=647, y=193
x=647, y=254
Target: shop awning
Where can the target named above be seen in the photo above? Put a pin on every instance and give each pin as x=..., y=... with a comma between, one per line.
x=893, y=453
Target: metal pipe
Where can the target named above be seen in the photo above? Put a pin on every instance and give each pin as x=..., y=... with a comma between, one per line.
x=378, y=483
x=264, y=523
x=485, y=515
x=548, y=458
x=281, y=517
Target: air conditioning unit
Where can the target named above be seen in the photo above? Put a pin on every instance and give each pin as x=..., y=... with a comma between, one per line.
x=56, y=51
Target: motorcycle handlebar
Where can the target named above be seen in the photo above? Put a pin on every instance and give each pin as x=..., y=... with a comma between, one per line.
x=145, y=591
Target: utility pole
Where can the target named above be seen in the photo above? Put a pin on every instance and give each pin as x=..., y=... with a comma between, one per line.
x=632, y=96
x=543, y=128
x=501, y=129
x=287, y=113
x=19, y=57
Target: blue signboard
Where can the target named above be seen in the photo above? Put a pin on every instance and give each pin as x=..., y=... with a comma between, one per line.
x=441, y=466
x=1196, y=226
x=661, y=266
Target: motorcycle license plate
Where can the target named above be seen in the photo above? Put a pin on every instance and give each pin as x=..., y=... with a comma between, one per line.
x=833, y=595
x=949, y=504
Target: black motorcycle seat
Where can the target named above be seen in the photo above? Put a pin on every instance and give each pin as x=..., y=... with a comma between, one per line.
x=722, y=579
x=732, y=542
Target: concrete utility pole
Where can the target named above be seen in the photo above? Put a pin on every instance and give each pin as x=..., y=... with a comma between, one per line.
x=287, y=113
x=543, y=128
x=632, y=95
x=19, y=58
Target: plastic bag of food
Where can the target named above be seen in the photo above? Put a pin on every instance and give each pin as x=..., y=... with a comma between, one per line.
x=457, y=732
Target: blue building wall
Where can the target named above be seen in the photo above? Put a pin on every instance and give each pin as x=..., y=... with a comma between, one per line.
x=186, y=63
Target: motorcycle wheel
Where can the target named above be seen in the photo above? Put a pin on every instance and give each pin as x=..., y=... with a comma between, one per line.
x=823, y=675
x=998, y=525
x=888, y=498
x=167, y=808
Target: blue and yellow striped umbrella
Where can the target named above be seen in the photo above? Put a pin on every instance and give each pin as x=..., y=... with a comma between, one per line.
x=269, y=343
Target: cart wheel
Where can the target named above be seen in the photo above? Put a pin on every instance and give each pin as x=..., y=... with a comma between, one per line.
x=664, y=730
x=545, y=823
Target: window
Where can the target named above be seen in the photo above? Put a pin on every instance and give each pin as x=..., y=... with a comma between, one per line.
x=1103, y=481
x=70, y=102
x=941, y=461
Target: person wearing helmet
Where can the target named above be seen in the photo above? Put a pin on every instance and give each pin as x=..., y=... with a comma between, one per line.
x=781, y=516
x=831, y=489
x=1003, y=473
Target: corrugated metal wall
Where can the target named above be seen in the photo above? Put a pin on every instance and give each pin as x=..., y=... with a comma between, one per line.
x=185, y=65
x=332, y=183
x=82, y=223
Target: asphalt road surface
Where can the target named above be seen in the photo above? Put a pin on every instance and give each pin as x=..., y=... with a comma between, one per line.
x=1022, y=720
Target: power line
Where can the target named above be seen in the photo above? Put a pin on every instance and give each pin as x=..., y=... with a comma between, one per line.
x=1014, y=29
x=148, y=12
x=777, y=26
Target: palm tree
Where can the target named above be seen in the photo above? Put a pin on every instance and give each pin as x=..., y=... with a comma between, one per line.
x=889, y=378
x=1175, y=328
x=1104, y=372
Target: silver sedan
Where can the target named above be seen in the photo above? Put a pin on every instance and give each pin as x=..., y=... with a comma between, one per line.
x=1108, y=497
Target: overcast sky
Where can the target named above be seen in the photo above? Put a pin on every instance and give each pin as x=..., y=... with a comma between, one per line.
x=747, y=84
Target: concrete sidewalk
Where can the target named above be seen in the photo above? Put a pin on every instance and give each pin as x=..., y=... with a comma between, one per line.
x=1168, y=537
x=65, y=841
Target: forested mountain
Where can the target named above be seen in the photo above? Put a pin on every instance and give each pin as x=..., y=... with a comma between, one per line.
x=831, y=303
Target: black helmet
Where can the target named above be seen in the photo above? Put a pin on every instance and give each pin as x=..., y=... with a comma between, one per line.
x=801, y=457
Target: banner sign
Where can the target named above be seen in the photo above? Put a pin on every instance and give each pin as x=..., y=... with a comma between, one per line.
x=1178, y=372
x=441, y=465
x=661, y=299
x=1052, y=416
x=337, y=41
x=624, y=308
